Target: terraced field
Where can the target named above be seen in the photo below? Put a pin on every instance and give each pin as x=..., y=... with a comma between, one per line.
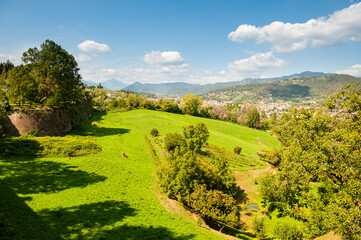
x=110, y=194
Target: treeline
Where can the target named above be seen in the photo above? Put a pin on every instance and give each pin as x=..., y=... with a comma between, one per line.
x=319, y=177
x=191, y=104
x=201, y=181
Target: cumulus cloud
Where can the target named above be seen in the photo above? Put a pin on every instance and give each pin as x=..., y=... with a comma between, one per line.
x=339, y=27
x=354, y=70
x=94, y=47
x=83, y=58
x=255, y=65
x=164, y=58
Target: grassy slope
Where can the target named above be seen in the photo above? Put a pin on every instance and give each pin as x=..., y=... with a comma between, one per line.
x=106, y=196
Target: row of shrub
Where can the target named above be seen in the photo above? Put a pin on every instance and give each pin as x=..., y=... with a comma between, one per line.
x=30, y=146
x=200, y=181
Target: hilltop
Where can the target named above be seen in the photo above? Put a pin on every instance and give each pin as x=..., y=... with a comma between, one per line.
x=316, y=89
x=182, y=88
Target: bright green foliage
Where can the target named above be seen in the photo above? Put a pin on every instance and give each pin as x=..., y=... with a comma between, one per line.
x=214, y=206
x=181, y=174
x=22, y=85
x=253, y=118
x=56, y=73
x=321, y=151
x=205, y=183
x=259, y=227
x=288, y=232
x=31, y=146
x=99, y=96
x=173, y=141
x=195, y=136
x=191, y=103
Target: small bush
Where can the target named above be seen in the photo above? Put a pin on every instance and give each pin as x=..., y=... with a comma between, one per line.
x=259, y=227
x=154, y=132
x=237, y=150
x=288, y=232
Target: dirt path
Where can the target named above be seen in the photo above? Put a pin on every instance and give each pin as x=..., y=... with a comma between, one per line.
x=261, y=143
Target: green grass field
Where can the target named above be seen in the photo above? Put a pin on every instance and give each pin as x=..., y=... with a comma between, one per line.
x=106, y=195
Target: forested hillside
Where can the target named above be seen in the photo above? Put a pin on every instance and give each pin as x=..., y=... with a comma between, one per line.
x=295, y=90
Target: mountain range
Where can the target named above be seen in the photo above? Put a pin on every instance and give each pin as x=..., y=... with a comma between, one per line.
x=316, y=88
x=182, y=88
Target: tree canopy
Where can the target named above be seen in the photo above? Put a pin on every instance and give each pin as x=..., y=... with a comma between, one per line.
x=50, y=77
x=320, y=166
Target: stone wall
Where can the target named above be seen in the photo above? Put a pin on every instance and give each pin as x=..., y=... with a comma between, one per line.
x=49, y=122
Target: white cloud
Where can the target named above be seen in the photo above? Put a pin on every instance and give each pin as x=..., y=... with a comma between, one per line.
x=91, y=46
x=255, y=65
x=354, y=70
x=223, y=72
x=339, y=27
x=4, y=57
x=101, y=75
x=83, y=58
x=164, y=58
x=207, y=72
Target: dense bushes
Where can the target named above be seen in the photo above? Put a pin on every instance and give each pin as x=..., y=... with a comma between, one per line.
x=214, y=206
x=30, y=146
x=319, y=177
x=204, y=184
x=288, y=232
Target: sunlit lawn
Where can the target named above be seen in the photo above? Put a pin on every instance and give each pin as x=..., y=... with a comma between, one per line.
x=107, y=195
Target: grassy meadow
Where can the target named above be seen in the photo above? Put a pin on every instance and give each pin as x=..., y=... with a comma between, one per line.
x=107, y=194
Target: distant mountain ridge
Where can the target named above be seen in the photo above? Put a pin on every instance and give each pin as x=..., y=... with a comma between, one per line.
x=182, y=88
x=316, y=88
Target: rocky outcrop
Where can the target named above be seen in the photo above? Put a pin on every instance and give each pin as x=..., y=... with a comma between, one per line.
x=49, y=122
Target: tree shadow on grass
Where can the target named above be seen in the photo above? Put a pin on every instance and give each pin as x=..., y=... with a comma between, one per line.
x=101, y=221
x=92, y=128
x=127, y=232
x=18, y=147
x=18, y=221
x=27, y=176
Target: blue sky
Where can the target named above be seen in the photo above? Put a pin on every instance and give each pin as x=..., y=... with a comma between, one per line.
x=193, y=41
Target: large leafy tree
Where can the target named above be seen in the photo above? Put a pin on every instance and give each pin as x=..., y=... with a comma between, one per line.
x=191, y=104
x=321, y=152
x=56, y=73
